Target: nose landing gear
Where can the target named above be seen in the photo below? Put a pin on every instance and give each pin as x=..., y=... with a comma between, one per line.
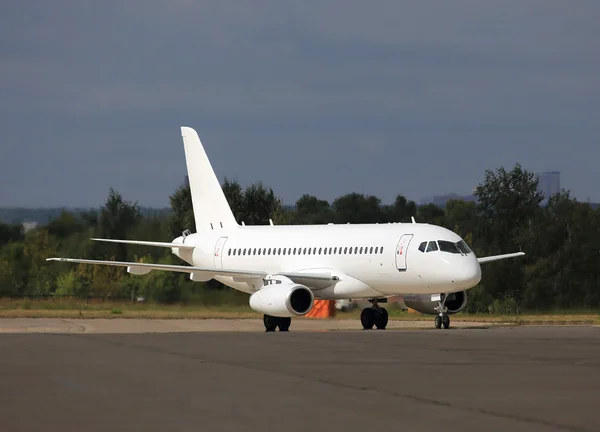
x=442, y=318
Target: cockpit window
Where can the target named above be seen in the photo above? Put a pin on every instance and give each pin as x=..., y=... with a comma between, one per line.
x=464, y=247
x=432, y=246
x=446, y=246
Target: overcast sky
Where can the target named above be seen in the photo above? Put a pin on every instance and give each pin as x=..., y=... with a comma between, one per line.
x=319, y=97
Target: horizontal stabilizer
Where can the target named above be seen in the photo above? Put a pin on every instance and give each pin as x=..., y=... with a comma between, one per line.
x=147, y=243
x=499, y=257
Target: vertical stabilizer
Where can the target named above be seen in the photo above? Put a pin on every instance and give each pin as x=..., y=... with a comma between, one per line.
x=211, y=210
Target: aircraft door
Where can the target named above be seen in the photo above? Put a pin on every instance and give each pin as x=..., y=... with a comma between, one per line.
x=218, y=255
x=401, y=251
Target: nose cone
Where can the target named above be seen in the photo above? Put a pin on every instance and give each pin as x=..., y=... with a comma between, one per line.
x=468, y=274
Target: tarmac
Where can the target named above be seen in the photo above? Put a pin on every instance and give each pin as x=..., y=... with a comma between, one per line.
x=125, y=375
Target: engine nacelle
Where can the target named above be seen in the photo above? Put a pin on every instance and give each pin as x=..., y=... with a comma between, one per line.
x=283, y=300
x=455, y=302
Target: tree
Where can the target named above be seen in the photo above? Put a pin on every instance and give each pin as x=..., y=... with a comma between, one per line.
x=235, y=198
x=461, y=217
x=182, y=216
x=260, y=205
x=11, y=233
x=358, y=208
x=509, y=215
x=430, y=213
x=401, y=210
x=117, y=219
x=311, y=210
x=40, y=245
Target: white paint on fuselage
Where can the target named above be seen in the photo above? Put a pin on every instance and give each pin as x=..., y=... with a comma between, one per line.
x=362, y=274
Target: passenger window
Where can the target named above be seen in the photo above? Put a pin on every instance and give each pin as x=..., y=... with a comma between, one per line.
x=381, y=249
x=422, y=246
x=432, y=246
x=360, y=250
x=319, y=251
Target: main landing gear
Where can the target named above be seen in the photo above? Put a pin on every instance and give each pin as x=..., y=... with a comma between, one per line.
x=442, y=318
x=272, y=323
x=374, y=316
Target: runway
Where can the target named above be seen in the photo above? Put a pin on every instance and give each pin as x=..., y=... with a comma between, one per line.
x=496, y=379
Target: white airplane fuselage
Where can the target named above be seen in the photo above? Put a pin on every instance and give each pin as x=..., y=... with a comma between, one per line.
x=371, y=260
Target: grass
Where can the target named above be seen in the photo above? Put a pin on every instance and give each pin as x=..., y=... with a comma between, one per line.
x=72, y=309
x=121, y=309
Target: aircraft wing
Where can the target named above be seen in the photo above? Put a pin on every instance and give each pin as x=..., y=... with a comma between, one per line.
x=143, y=268
x=147, y=243
x=499, y=257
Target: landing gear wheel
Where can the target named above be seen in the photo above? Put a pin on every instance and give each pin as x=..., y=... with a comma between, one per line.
x=270, y=323
x=438, y=322
x=284, y=324
x=446, y=321
x=381, y=319
x=367, y=318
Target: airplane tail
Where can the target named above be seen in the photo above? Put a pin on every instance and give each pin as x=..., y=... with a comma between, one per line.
x=211, y=209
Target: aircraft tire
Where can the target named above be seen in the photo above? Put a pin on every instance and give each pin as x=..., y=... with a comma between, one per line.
x=367, y=318
x=381, y=319
x=446, y=321
x=284, y=324
x=270, y=323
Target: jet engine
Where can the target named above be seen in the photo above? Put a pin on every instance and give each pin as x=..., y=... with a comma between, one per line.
x=455, y=302
x=282, y=300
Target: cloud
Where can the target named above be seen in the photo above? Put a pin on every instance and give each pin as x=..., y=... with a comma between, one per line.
x=466, y=84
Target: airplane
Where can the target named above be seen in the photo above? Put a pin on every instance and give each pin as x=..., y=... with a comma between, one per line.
x=285, y=268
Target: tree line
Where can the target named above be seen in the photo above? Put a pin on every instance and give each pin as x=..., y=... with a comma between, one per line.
x=561, y=240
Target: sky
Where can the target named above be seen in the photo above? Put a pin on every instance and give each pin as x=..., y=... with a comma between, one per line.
x=321, y=97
